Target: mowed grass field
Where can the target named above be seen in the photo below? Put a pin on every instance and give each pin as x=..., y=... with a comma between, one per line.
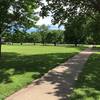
x=88, y=83
x=20, y=65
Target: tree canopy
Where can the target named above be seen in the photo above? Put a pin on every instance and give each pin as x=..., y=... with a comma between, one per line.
x=78, y=16
x=62, y=10
x=16, y=13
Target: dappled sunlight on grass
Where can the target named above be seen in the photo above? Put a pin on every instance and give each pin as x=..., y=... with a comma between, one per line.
x=86, y=94
x=88, y=84
x=20, y=65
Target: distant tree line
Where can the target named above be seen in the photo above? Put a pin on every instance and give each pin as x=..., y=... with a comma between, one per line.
x=76, y=32
x=43, y=35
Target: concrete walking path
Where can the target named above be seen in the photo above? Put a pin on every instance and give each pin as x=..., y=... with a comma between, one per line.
x=57, y=84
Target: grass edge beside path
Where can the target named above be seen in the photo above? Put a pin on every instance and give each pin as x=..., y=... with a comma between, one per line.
x=88, y=84
x=14, y=66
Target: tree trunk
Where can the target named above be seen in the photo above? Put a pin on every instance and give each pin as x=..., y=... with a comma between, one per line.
x=43, y=43
x=34, y=43
x=55, y=44
x=21, y=43
x=12, y=43
x=0, y=46
x=76, y=44
x=0, y=43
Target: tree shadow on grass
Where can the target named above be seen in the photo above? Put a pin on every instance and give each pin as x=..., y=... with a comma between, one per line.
x=63, y=81
x=13, y=64
x=88, y=84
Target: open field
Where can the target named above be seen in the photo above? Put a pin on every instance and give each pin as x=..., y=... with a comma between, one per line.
x=88, y=84
x=20, y=65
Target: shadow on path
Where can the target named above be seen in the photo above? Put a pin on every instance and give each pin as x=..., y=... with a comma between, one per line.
x=58, y=83
x=64, y=76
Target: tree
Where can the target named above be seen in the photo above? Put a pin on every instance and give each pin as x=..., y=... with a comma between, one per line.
x=7, y=36
x=36, y=37
x=55, y=36
x=65, y=10
x=93, y=28
x=20, y=37
x=75, y=30
x=16, y=13
x=62, y=10
x=43, y=30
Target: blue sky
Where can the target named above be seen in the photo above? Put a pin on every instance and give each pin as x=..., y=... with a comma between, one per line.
x=51, y=27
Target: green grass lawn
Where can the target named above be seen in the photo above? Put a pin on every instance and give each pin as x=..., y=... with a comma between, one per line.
x=88, y=84
x=20, y=65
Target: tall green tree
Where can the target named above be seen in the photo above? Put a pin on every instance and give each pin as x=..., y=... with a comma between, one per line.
x=43, y=30
x=93, y=29
x=75, y=30
x=7, y=37
x=20, y=37
x=55, y=37
x=17, y=13
x=36, y=37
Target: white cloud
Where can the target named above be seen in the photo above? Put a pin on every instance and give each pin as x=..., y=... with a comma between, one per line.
x=56, y=27
x=46, y=21
x=10, y=10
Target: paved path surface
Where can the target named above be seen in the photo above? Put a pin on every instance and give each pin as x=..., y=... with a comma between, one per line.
x=57, y=84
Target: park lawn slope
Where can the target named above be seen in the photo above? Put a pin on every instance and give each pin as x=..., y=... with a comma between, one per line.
x=20, y=65
x=88, y=84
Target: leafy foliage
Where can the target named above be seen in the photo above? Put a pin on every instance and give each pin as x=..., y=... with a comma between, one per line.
x=75, y=30
x=43, y=30
x=15, y=14
x=55, y=36
x=63, y=10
